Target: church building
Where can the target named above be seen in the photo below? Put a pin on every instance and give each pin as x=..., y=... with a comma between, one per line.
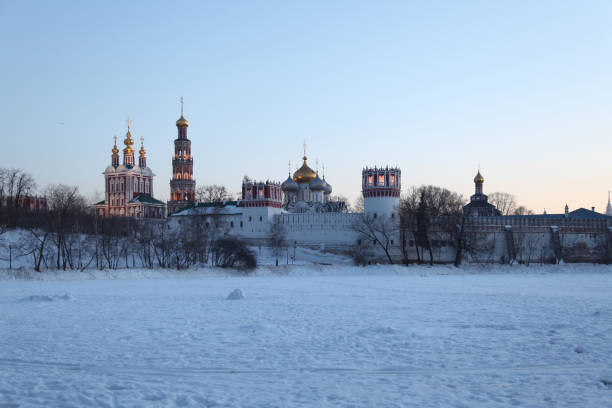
x=128, y=187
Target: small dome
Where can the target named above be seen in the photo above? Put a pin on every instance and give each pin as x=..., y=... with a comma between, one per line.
x=304, y=174
x=289, y=185
x=109, y=169
x=479, y=179
x=182, y=122
x=128, y=139
x=328, y=187
x=317, y=184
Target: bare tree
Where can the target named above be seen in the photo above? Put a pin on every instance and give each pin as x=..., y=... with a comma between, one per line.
x=65, y=204
x=522, y=210
x=504, y=202
x=277, y=237
x=380, y=230
x=419, y=206
x=357, y=206
x=17, y=184
x=212, y=193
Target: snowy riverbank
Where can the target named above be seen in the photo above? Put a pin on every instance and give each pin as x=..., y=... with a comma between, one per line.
x=331, y=337
x=312, y=269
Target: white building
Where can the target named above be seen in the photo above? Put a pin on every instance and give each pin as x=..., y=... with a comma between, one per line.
x=303, y=206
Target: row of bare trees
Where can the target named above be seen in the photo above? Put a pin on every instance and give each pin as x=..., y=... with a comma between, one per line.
x=430, y=218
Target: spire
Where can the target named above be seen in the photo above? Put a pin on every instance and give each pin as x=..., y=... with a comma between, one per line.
x=142, y=160
x=182, y=122
x=142, y=150
x=609, y=206
x=323, y=172
x=115, y=156
x=289, y=172
x=128, y=152
x=478, y=181
x=304, y=158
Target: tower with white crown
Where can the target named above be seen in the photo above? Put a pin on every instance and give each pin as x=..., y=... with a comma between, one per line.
x=381, y=188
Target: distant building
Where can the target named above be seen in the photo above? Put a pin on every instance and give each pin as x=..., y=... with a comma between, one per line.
x=129, y=187
x=479, y=205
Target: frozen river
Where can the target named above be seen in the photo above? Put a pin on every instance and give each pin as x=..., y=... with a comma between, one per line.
x=474, y=340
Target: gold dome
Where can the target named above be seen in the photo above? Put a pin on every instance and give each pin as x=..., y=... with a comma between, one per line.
x=304, y=174
x=142, y=151
x=479, y=178
x=182, y=122
x=115, y=150
x=128, y=139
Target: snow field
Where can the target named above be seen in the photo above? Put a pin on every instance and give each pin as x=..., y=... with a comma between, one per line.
x=361, y=340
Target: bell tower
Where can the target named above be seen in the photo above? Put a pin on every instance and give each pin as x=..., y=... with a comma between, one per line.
x=182, y=184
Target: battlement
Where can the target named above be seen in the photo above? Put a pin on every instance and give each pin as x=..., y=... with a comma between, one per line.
x=381, y=182
x=261, y=194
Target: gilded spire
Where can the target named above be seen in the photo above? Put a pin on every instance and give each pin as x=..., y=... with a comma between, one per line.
x=182, y=122
x=304, y=158
x=142, y=151
x=128, y=137
x=115, y=149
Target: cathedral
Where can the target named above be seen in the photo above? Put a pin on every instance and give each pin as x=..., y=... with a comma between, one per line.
x=128, y=187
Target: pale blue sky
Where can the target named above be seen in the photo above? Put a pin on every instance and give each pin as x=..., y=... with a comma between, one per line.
x=523, y=88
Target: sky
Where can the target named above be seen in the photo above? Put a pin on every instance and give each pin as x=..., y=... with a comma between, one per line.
x=520, y=88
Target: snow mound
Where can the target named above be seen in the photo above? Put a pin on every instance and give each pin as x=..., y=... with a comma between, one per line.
x=46, y=298
x=235, y=295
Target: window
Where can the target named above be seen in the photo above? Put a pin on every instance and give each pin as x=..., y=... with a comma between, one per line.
x=260, y=218
x=381, y=179
x=392, y=179
x=358, y=242
x=260, y=193
x=240, y=224
x=370, y=180
x=232, y=224
x=250, y=218
x=392, y=215
x=375, y=215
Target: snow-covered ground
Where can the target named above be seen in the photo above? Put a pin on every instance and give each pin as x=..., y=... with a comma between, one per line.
x=311, y=337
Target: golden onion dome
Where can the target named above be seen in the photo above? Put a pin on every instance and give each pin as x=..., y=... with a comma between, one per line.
x=115, y=150
x=479, y=178
x=304, y=174
x=142, y=151
x=182, y=122
x=128, y=139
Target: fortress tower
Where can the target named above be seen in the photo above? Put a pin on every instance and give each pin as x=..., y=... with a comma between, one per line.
x=381, y=189
x=182, y=184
